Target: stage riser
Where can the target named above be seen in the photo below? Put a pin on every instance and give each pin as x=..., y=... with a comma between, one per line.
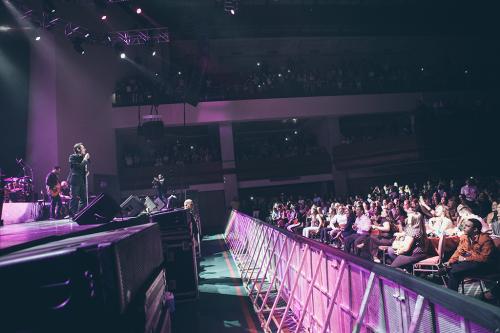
x=20, y=212
x=86, y=283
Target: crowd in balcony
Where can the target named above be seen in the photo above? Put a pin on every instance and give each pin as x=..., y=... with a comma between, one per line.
x=297, y=78
x=280, y=145
x=169, y=154
x=402, y=226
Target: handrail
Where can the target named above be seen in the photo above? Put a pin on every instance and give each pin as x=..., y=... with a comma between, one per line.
x=470, y=309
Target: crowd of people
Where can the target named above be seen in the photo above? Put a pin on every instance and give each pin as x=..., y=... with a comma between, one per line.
x=395, y=224
x=169, y=154
x=277, y=146
x=297, y=78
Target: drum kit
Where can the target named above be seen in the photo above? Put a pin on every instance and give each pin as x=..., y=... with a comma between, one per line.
x=18, y=189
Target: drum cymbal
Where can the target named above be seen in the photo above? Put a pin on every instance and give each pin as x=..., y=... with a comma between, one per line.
x=11, y=179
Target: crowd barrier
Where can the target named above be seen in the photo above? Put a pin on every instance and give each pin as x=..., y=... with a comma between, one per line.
x=300, y=285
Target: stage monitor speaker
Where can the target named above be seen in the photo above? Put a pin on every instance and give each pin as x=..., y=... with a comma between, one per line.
x=100, y=210
x=132, y=206
x=159, y=204
x=150, y=205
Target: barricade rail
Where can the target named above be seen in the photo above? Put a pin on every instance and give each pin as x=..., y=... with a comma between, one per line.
x=300, y=285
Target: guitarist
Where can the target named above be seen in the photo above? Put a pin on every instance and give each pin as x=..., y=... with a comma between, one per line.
x=54, y=191
x=78, y=162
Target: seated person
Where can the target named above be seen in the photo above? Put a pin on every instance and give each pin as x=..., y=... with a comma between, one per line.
x=439, y=224
x=362, y=226
x=495, y=223
x=316, y=222
x=465, y=214
x=493, y=215
x=473, y=255
x=330, y=225
x=409, y=246
x=383, y=234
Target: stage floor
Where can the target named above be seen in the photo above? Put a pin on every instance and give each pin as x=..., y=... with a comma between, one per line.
x=223, y=305
x=18, y=236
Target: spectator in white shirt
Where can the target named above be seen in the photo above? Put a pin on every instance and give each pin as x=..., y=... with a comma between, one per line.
x=362, y=225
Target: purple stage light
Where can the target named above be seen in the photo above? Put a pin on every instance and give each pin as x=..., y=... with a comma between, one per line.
x=104, y=17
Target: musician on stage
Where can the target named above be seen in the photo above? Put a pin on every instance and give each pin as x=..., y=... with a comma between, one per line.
x=78, y=162
x=54, y=190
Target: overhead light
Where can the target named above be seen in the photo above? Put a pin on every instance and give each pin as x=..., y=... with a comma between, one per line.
x=104, y=17
x=138, y=10
x=77, y=45
x=123, y=55
x=231, y=6
x=48, y=7
x=154, y=53
x=37, y=38
x=87, y=35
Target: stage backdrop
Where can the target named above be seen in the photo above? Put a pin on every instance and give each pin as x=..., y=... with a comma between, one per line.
x=14, y=102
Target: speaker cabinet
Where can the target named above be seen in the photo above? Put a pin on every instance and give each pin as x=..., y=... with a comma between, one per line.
x=100, y=210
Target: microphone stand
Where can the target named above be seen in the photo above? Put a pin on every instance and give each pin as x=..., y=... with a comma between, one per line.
x=87, y=184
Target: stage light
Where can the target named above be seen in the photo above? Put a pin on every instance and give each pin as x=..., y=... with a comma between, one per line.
x=180, y=73
x=37, y=38
x=48, y=7
x=231, y=6
x=87, y=35
x=123, y=55
x=258, y=64
x=138, y=10
x=154, y=53
x=104, y=17
x=77, y=45
x=5, y=28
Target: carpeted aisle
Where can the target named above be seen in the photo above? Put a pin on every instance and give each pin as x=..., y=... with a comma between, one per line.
x=223, y=305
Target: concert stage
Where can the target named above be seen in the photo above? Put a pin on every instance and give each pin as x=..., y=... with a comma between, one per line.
x=14, y=237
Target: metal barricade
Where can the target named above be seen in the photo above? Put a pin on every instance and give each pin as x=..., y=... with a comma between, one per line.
x=299, y=285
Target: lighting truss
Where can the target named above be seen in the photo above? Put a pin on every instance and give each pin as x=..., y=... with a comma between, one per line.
x=141, y=36
x=231, y=6
x=43, y=20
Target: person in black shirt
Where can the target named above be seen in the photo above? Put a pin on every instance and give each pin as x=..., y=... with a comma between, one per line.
x=159, y=185
x=77, y=178
x=54, y=190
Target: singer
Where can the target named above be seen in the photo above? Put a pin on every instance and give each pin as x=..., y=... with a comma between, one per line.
x=78, y=162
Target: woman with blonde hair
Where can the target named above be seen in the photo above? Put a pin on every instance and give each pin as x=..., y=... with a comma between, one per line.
x=316, y=223
x=410, y=245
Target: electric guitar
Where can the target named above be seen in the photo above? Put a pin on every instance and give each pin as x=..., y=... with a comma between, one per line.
x=54, y=191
